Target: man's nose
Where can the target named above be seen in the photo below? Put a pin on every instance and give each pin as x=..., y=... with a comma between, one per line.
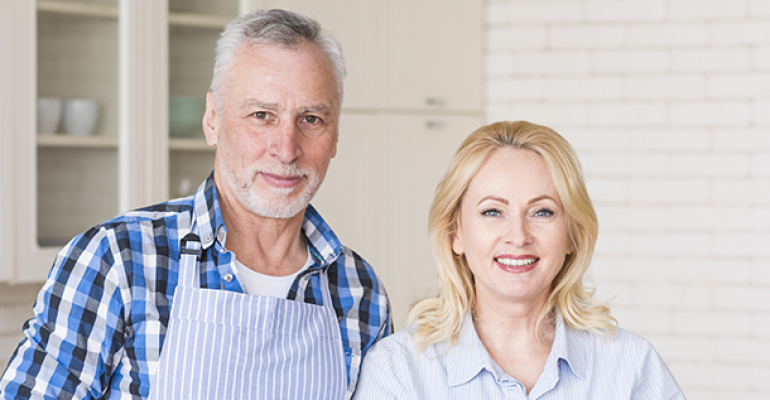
x=285, y=142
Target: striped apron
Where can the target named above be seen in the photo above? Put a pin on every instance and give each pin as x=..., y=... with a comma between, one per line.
x=226, y=345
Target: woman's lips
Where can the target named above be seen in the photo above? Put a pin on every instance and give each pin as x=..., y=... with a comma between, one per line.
x=517, y=264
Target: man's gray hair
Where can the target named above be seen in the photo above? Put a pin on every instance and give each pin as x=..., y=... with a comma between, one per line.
x=282, y=27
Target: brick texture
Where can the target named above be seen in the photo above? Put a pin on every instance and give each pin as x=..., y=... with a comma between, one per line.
x=667, y=103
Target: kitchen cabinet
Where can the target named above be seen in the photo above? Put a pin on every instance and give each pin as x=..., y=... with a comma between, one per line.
x=12, y=97
x=354, y=23
x=404, y=55
x=194, y=28
x=431, y=55
x=418, y=150
x=130, y=57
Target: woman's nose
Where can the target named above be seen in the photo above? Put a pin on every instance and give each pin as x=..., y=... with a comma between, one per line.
x=518, y=233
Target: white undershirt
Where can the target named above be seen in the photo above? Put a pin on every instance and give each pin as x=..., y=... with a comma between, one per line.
x=266, y=285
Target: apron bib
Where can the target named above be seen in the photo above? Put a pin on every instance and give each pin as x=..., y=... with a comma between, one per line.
x=226, y=345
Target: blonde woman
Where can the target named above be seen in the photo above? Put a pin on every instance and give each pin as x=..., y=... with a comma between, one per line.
x=513, y=230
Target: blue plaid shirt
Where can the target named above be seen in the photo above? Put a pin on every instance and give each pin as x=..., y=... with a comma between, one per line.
x=101, y=318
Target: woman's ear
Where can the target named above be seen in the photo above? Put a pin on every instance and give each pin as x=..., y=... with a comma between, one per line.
x=458, y=246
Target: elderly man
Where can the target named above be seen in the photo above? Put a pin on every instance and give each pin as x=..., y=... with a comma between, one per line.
x=239, y=291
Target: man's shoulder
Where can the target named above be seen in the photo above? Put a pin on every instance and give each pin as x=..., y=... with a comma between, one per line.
x=125, y=230
x=353, y=265
x=157, y=215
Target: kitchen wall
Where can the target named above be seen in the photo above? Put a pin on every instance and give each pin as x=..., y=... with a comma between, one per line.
x=668, y=105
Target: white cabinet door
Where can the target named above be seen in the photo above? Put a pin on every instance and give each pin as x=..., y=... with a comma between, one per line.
x=431, y=53
x=351, y=197
x=12, y=79
x=417, y=150
x=354, y=23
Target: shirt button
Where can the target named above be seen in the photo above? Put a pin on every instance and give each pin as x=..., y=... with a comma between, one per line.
x=228, y=277
x=209, y=239
x=221, y=235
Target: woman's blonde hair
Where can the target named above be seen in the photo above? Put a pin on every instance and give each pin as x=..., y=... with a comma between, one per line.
x=440, y=318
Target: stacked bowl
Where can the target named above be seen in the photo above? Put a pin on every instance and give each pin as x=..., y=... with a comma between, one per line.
x=185, y=114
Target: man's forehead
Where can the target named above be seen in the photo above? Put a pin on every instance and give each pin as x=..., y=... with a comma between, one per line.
x=259, y=60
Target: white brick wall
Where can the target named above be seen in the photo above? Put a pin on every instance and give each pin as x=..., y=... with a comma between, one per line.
x=15, y=308
x=668, y=104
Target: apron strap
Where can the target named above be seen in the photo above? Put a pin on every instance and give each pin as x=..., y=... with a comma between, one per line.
x=190, y=250
x=326, y=290
x=324, y=278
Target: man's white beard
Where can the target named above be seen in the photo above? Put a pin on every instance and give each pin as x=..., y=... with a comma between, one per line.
x=243, y=186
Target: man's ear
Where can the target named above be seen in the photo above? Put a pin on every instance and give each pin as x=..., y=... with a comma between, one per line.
x=336, y=140
x=210, y=120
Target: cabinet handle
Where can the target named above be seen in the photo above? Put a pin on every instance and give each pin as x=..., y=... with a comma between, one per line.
x=435, y=124
x=434, y=101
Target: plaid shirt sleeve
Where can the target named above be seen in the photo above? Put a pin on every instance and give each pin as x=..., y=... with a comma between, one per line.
x=70, y=345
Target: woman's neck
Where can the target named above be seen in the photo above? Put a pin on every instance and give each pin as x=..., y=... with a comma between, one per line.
x=510, y=336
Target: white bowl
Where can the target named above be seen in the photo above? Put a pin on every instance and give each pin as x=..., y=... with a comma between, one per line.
x=80, y=116
x=48, y=115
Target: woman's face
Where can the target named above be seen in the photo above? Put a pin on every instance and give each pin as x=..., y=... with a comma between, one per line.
x=512, y=229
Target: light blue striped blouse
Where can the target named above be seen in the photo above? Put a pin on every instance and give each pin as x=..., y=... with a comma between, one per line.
x=581, y=365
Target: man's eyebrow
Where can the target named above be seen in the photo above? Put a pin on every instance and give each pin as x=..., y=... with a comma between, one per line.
x=319, y=109
x=262, y=104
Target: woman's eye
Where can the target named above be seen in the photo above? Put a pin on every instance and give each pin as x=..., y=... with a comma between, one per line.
x=544, y=213
x=491, y=213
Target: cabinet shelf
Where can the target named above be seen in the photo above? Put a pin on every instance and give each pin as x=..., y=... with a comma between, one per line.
x=197, y=20
x=78, y=8
x=111, y=142
x=189, y=144
x=111, y=11
x=82, y=142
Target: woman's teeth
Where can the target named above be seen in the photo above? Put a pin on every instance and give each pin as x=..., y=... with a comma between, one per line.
x=516, y=263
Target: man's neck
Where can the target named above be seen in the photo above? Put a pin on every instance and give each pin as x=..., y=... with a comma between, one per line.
x=270, y=246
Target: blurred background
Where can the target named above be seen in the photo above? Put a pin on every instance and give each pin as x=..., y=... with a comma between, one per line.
x=667, y=103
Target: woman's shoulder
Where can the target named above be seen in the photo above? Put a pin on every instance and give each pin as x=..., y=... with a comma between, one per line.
x=623, y=352
x=600, y=340
x=400, y=345
x=389, y=368
x=625, y=361
x=398, y=342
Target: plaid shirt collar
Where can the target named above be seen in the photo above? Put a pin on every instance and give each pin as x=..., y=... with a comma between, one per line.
x=324, y=244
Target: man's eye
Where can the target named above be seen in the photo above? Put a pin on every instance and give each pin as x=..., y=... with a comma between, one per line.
x=312, y=119
x=260, y=115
